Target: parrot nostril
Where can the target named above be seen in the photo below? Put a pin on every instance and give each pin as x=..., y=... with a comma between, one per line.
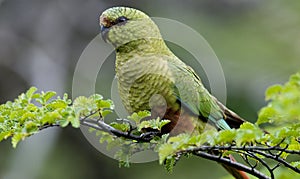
x=104, y=21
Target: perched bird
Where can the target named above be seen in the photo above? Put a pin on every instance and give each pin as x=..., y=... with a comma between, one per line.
x=151, y=77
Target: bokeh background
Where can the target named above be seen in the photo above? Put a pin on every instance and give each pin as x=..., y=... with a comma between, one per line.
x=257, y=42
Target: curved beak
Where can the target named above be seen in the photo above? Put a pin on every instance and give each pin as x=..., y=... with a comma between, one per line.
x=104, y=33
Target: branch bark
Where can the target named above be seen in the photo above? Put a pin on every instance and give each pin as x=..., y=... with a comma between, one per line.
x=231, y=163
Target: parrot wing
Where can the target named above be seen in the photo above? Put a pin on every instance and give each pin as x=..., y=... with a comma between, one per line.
x=191, y=93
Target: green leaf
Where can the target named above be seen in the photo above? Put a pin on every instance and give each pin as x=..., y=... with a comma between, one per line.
x=208, y=137
x=57, y=104
x=165, y=151
x=30, y=92
x=16, y=139
x=124, y=163
x=105, y=104
x=51, y=117
x=105, y=137
x=113, y=144
x=244, y=137
x=273, y=91
x=296, y=164
x=96, y=97
x=180, y=139
x=156, y=124
x=27, y=116
x=64, y=123
x=295, y=79
x=294, y=145
x=248, y=125
x=2, y=119
x=152, y=124
x=266, y=115
x=169, y=164
x=31, y=127
x=163, y=123
x=226, y=136
x=5, y=135
x=120, y=126
x=104, y=113
x=80, y=101
x=74, y=121
x=48, y=95
x=137, y=117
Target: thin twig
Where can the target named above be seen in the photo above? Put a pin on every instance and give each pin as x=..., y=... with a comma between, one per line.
x=263, y=163
x=276, y=166
x=231, y=163
x=258, y=150
x=248, y=148
x=101, y=125
x=278, y=159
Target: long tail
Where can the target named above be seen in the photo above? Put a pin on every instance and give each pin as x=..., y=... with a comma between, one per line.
x=235, y=172
x=231, y=118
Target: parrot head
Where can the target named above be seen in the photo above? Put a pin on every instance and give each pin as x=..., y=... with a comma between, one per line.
x=121, y=25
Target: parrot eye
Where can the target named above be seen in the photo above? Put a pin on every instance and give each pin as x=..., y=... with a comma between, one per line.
x=121, y=20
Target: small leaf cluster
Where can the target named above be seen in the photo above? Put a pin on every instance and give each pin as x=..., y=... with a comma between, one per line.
x=284, y=103
x=137, y=125
x=282, y=114
x=124, y=148
x=32, y=111
x=93, y=106
x=247, y=134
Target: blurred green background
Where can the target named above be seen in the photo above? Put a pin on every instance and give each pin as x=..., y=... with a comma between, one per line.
x=257, y=42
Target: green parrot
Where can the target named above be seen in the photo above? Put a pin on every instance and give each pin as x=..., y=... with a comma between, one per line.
x=150, y=77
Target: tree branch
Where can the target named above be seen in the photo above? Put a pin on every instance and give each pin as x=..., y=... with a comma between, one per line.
x=205, y=151
x=278, y=159
x=258, y=150
x=99, y=124
x=229, y=162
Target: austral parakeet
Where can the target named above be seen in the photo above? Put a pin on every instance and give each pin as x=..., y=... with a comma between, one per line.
x=151, y=77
